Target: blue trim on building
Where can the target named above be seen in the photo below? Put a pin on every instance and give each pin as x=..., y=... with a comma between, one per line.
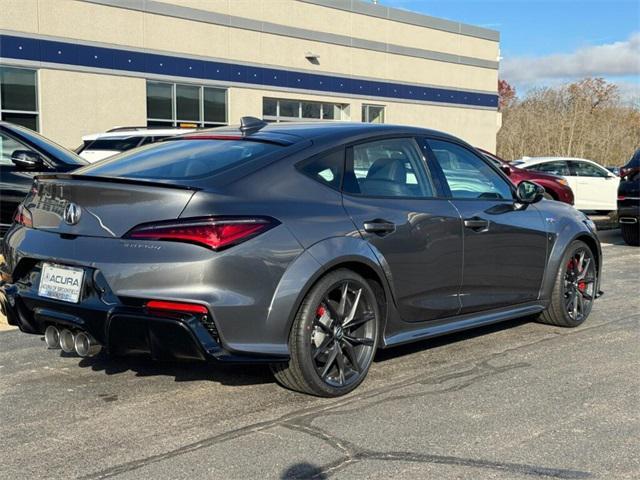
x=49, y=51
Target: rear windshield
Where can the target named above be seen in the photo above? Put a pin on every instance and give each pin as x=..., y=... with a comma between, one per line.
x=114, y=144
x=180, y=159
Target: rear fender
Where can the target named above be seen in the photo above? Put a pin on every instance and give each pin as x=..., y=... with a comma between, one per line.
x=320, y=258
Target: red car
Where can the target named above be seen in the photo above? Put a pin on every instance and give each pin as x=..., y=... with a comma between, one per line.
x=556, y=187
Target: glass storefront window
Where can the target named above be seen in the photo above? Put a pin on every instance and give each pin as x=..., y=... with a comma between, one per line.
x=282, y=110
x=19, y=96
x=373, y=113
x=170, y=104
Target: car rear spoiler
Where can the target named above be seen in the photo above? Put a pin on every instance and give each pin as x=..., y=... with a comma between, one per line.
x=130, y=181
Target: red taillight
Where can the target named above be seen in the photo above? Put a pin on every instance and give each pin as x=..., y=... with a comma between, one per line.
x=23, y=217
x=621, y=198
x=215, y=233
x=176, y=307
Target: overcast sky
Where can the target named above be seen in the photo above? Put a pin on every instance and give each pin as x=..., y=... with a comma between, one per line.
x=547, y=42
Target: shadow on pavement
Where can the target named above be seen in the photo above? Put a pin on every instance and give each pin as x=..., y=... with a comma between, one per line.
x=436, y=342
x=236, y=375
x=303, y=470
x=248, y=374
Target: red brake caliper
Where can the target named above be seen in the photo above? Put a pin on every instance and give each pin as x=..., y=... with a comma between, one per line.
x=320, y=311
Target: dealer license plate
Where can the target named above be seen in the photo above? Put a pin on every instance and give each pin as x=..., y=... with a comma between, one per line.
x=61, y=282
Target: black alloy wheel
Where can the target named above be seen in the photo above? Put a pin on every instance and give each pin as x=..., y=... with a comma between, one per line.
x=579, y=285
x=334, y=337
x=343, y=336
x=575, y=288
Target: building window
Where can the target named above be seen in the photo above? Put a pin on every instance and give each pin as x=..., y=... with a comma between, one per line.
x=373, y=113
x=173, y=105
x=19, y=96
x=283, y=110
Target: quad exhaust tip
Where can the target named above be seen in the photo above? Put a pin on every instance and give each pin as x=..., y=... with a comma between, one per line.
x=67, y=341
x=52, y=337
x=80, y=343
x=86, y=346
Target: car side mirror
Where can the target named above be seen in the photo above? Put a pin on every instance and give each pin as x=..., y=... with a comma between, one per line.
x=506, y=169
x=529, y=192
x=27, y=160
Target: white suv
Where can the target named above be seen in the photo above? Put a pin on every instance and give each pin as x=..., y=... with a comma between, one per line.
x=102, y=145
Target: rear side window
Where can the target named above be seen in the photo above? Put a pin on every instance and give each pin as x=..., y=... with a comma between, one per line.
x=325, y=168
x=115, y=144
x=180, y=159
x=556, y=168
x=387, y=168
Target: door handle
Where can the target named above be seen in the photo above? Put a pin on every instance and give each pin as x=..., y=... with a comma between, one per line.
x=380, y=227
x=477, y=224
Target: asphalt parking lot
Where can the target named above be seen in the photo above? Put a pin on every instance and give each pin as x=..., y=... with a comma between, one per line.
x=517, y=400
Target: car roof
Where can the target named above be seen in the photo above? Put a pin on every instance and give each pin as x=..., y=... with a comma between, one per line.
x=124, y=134
x=338, y=131
x=536, y=160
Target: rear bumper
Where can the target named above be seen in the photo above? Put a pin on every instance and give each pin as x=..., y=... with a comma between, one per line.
x=628, y=210
x=237, y=286
x=121, y=329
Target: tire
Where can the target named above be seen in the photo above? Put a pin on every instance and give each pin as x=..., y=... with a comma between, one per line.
x=324, y=325
x=631, y=233
x=576, y=281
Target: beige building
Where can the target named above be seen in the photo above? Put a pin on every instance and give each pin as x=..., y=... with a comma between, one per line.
x=73, y=67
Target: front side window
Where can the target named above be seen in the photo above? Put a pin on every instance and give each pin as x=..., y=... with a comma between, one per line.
x=18, y=97
x=284, y=110
x=173, y=105
x=557, y=168
x=8, y=145
x=468, y=175
x=373, y=113
x=387, y=168
x=584, y=169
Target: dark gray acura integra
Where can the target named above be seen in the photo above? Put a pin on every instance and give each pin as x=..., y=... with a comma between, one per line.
x=307, y=246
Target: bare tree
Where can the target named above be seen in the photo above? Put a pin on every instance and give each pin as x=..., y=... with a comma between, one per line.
x=583, y=119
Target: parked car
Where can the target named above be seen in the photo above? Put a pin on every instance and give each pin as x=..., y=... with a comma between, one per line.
x=103, y=145
x=629, y=201
x=25, y=154
x=262, y=244
x=594, y=187
x=556, y=187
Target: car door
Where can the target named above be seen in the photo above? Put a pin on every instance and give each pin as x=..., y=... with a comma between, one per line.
x=596, y=187
x=14, y=181
x=391, y=198
x=505, y=244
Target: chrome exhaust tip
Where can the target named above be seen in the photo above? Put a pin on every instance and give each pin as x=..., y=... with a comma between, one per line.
x=67, y=341
x=52, y=337
x=86, y=345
